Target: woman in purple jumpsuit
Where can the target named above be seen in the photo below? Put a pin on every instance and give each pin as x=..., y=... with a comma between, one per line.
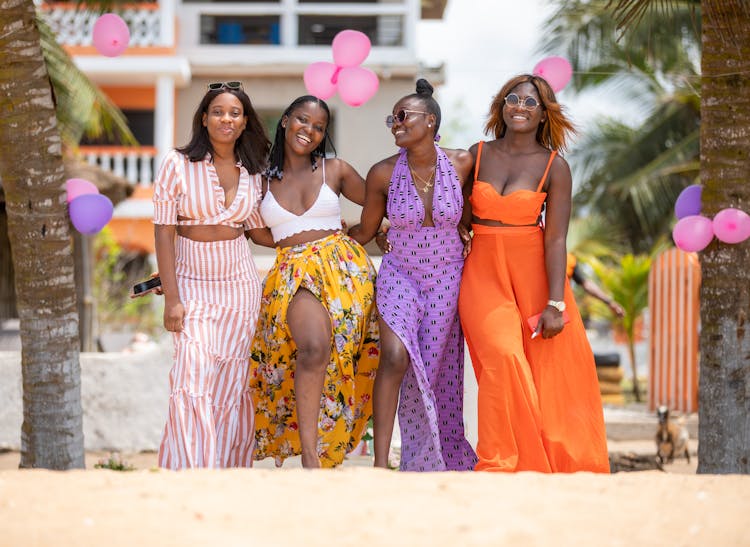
x=422, y=348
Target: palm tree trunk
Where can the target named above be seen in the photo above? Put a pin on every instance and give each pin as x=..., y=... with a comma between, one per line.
x=724, y=408
x=38, y=228
x=633, y=368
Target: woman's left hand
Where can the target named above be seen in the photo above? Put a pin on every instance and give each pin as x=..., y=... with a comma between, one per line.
x=381, y=239
x=465, y=235
x=550, y=323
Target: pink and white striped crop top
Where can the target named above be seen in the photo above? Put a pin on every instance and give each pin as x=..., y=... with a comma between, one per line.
x=191, y=189
x=324, y=214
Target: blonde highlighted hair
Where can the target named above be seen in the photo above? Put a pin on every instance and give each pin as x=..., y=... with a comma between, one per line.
x=553, y=133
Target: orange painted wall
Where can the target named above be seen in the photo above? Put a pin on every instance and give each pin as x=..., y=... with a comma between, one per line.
x=134, y=98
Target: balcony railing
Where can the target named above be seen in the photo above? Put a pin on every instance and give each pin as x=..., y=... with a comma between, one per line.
x=74, y=27
x=133, y=163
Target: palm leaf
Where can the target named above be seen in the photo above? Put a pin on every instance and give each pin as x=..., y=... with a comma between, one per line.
x=593, y=236
x=81, y=107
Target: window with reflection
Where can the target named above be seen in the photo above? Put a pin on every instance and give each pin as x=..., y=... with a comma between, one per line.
x=382, y=30
x=240, y=29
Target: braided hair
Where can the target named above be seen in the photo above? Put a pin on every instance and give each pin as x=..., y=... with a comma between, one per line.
x=275, y=167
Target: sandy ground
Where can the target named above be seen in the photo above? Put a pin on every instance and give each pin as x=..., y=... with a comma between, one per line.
x=358, y=505
x=363, y=506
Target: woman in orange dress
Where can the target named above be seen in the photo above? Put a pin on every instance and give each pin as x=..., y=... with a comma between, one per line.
x=539, y=407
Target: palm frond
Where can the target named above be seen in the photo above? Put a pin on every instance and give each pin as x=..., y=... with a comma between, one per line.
x=592, y=236
x=82, y=108
x=664, y=42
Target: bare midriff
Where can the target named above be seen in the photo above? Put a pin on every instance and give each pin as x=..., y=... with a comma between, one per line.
x=212, y=232
x=304, y=237
x=487, y=222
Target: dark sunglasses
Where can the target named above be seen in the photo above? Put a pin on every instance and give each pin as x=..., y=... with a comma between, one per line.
x=401, y=116
x=528, y=103
x=215, y=86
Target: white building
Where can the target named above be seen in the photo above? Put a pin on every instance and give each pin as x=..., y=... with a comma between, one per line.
x=178, y=46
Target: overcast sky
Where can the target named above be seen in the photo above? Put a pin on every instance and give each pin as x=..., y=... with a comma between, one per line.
x=483, y=43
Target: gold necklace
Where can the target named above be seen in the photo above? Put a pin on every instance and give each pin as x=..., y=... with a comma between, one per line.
x=426, y=184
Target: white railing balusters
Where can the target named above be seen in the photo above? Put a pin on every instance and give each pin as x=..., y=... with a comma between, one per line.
x=133, y=163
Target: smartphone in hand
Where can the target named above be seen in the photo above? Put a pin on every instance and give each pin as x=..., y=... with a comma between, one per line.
x=533, y=321
x=139, y=289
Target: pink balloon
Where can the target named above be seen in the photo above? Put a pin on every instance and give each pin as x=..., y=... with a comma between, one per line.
x=79, y=187
x=350, y=48
x=357, y=85
x=111, y=35
x=89, y=213
x=320, y=79
x=732, y=225
x=556, y=70
x=693, y=233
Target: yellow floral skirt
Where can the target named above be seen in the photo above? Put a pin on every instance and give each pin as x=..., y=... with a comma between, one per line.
x=337, y=270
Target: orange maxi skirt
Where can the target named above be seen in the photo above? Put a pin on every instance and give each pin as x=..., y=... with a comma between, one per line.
x=539, y=407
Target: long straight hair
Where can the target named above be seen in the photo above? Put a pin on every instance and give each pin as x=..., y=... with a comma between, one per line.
x=251, y=148
x=553, y=133
x=276, y=157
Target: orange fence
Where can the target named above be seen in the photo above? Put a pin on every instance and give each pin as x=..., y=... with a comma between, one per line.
x=674, y=286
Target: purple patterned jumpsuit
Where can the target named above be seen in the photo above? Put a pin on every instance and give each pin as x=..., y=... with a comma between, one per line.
x=417, y=296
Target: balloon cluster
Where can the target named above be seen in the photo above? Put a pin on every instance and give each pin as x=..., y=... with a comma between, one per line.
x=556, y=70
x=110, y=35
x=89, y=210
x=693, y=231
x=356, y=85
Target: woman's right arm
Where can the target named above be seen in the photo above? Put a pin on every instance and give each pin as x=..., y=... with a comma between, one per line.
x=174, y=311
x=261, y=236
x=373, y=211
x=166, y=206
x=464, y=227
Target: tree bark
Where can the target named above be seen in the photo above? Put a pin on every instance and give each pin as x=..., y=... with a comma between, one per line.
x=33, y=179
x=724, y=406
x=633, y=367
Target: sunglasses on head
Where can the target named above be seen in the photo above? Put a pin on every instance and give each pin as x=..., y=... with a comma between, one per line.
x=215, y=86
x=401, y=116
x=528, y=103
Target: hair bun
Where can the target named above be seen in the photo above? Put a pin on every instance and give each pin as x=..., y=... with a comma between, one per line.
x=424, y=87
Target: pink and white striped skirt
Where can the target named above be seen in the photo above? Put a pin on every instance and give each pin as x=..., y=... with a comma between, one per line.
x=211, y=419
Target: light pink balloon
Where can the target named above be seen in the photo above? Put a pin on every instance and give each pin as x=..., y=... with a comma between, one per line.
x=350, y=48
x=556, y=70
x=79, y=187
x=357, y=85
x=732, y=225
x=320, y=79
x=111, y=35
x=693, y=233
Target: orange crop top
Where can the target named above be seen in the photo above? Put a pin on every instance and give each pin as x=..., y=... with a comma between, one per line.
x=519, y=208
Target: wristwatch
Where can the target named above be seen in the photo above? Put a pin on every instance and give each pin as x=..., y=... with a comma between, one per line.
x=559, y=305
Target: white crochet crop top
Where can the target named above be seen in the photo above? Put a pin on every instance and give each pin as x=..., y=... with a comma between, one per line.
x=324, y=214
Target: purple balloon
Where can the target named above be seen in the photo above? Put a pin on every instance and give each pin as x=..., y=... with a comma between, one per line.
x=89, y=213
x=688, y=202
x=693, y=233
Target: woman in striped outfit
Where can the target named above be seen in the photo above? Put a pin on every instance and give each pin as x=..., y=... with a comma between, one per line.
x=206, y=196
x=315, y=351
x=422, y=346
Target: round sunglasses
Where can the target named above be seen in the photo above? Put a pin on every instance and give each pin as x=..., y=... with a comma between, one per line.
x=528, y=103
x=401, y=116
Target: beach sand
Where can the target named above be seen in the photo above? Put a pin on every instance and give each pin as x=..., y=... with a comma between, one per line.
x=360, y=506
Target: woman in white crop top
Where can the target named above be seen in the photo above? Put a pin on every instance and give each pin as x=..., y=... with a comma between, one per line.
x=206, y=195
x=315, y=351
